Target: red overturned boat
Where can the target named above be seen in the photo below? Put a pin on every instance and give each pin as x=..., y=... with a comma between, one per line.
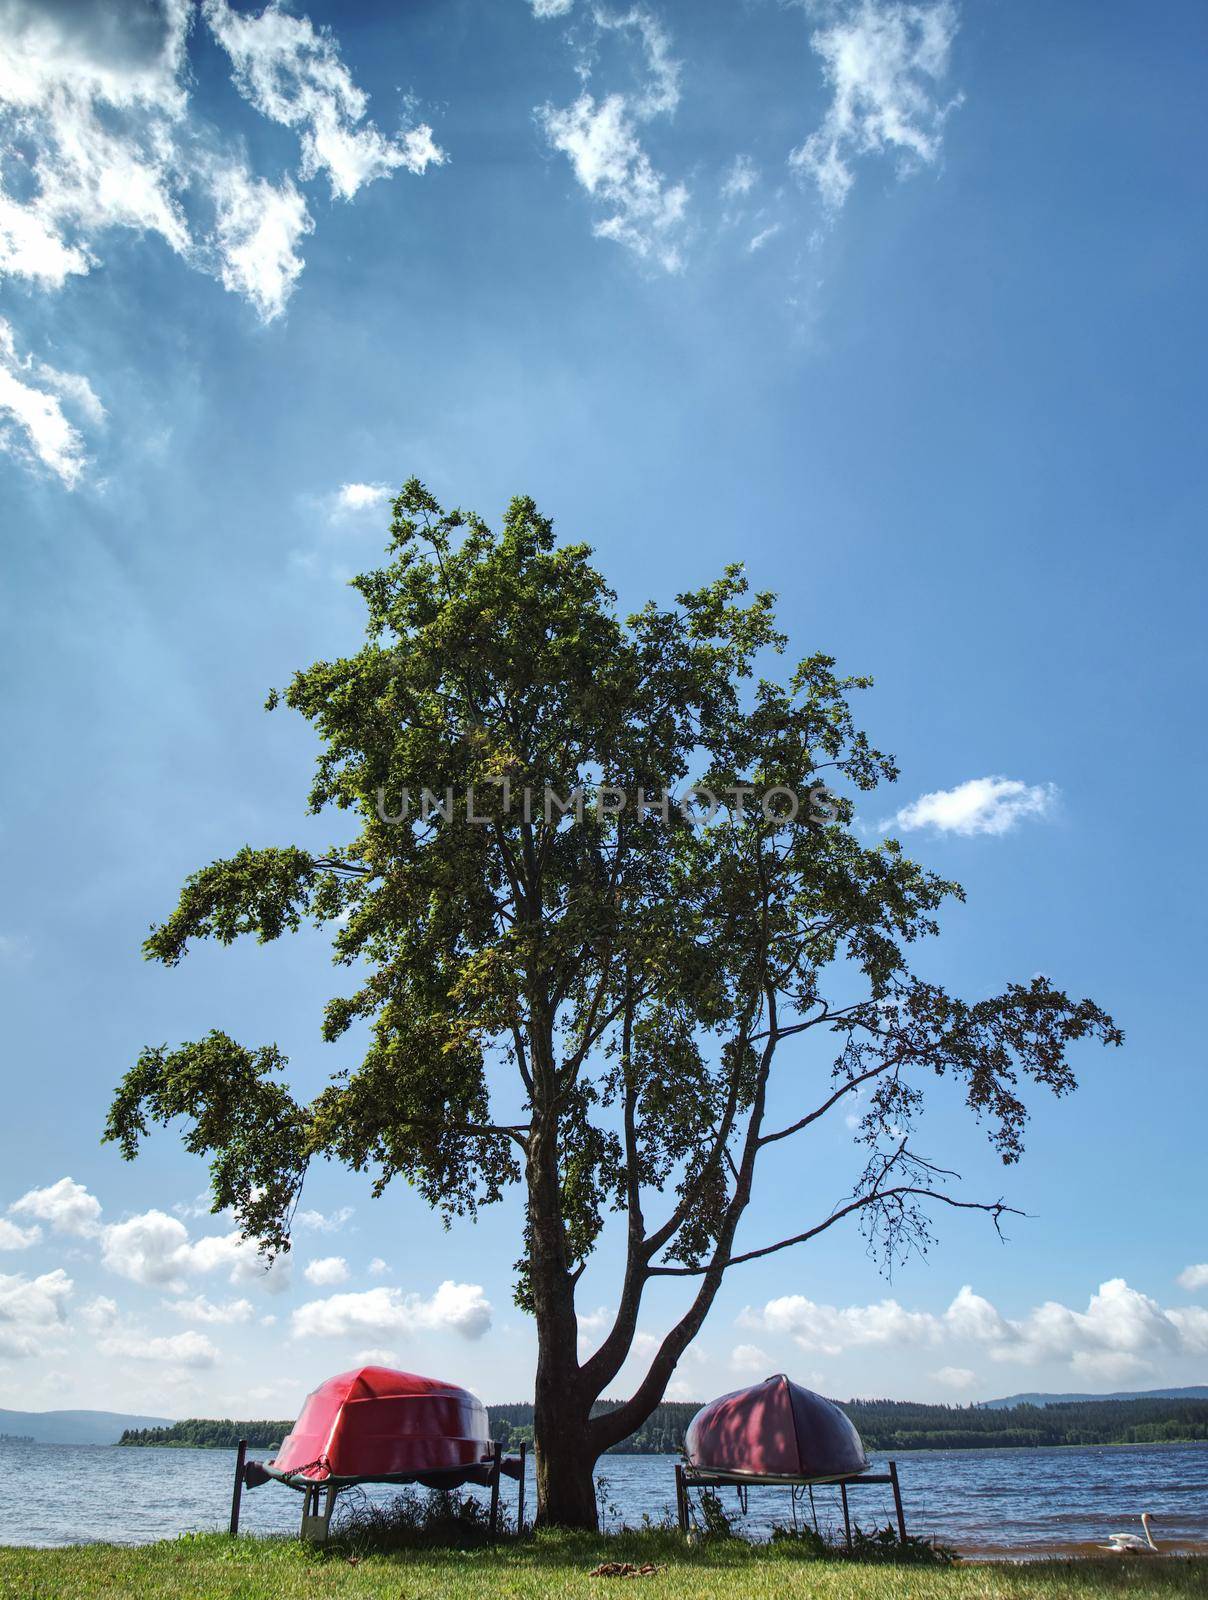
x=775, y=1429
x=376, y=1425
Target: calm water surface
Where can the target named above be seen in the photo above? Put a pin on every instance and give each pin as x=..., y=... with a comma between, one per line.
x=993, y=1501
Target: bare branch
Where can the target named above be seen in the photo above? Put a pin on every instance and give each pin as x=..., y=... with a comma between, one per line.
x=996, y=1209
x=832, y=1100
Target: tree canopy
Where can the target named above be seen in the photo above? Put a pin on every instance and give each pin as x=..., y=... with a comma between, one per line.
x=591, y=877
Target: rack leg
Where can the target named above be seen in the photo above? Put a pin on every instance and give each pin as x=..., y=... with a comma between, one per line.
x=681, y=1498
x=520, y=1489
x=237, y=1491
x=846, y=1517
x=897, y=1500
x=496, y=1455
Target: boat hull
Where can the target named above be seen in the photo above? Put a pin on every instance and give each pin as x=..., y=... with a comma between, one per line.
x=374, y=1422
x=775, y=1429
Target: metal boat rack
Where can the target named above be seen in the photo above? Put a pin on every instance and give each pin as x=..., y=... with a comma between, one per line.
x=689, y=1477
x=319, y=1495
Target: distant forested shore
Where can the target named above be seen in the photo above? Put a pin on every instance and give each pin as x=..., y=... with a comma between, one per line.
x=884, y=1425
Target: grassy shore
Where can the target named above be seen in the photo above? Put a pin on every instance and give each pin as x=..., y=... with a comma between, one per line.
x=213, y=1567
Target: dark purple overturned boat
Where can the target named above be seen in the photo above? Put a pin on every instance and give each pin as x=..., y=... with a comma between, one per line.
x=775, y=1429
x=777, y=1433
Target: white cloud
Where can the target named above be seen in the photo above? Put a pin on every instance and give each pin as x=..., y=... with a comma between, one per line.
x=258, y=227
x=600, y=138
x=960, y=1378
x=1194, y=1277
x=33, y=422
x=1117, y=1334
x=89, y=107
x=353, y=497
x=758, y=241
x=292, y=73
x=100, y=1313
x=609, y=162
x=30, y=247
x=325, y=1271
x=378, y=1268
x=154, y=1248
x=750, y=1358
x=454, y=1308
x=199, y=1309
x=883, y=61
x=592, y=1326
x=31, y=1311
x=14, y=1237
x=178, y=1349
x=551, y=8
x=318, y=1221
x=981, y=805
x=740, y=178
x=831, y=1330
x=67, y=1206
x=240, y=1259
x=376, y=1358
x=96, y=118
x=1120, y=1334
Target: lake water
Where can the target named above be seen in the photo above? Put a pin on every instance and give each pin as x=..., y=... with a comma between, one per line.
x=1023, y=1502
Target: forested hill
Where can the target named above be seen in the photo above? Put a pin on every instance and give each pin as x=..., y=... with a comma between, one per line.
x=208, y=1434
x=888, y=1425
x=884, y=1425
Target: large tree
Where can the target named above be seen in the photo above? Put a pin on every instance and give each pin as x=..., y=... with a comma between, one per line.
x=589, y=1002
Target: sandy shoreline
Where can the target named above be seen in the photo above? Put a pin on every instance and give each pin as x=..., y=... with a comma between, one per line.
x=1074, y=1552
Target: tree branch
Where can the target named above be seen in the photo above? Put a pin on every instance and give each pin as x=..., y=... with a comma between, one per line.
x=832, y=1100
x=996, y=1209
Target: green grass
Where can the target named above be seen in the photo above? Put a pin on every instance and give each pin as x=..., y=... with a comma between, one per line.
x=557, y=1567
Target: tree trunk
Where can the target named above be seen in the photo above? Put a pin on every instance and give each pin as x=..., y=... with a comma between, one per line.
x=566, y=1490
x=566, y=1496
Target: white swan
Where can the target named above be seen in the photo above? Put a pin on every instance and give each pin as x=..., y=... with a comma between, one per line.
x=1128, y=1544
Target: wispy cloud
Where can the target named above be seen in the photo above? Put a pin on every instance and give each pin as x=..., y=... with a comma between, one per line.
x=323, y=1222
x=35, y=402
x=601, y=139
x=258, y=227
x=293, y=74
x=1194, y=1277
x=758, y=241
x=884, y=63
x=739, y=179
x=96, y=116
x=980, y=805
x=199, y=1309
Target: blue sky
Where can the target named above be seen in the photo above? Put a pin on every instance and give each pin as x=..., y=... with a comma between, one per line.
x=902, y=305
